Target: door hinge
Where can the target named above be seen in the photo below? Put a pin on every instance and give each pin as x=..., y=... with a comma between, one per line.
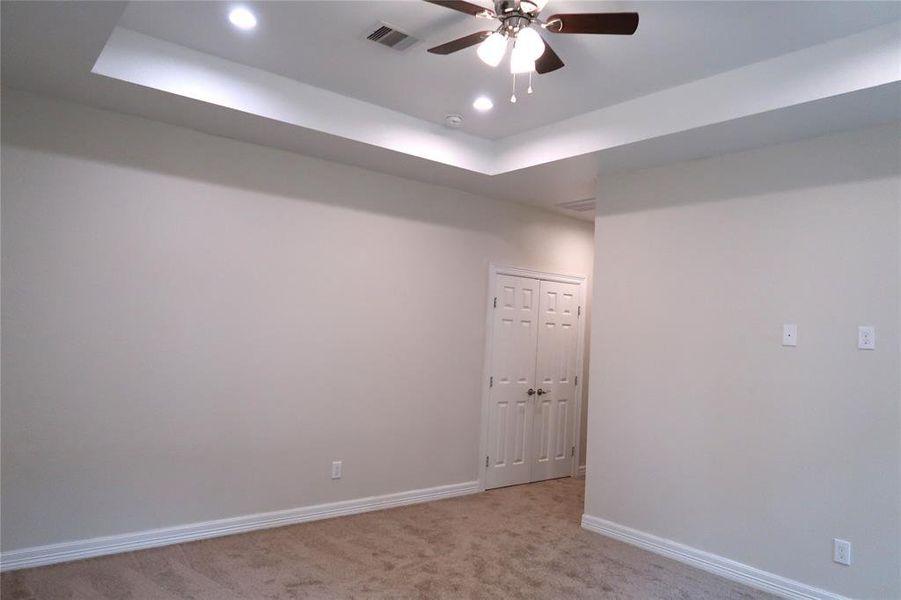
x=491, y=382
x=579, y=312
x=577, y=380
x=495, y=302
x=573, y=451
x=486, y=461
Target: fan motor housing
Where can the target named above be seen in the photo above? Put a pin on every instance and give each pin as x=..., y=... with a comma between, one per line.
x=516, y=22
x=513, y=15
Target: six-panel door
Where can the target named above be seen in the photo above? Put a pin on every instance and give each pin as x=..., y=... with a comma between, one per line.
x=556, y=364
x=534, y=349
x=515, y=339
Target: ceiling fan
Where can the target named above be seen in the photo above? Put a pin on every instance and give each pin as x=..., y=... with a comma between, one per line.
x=530, y=51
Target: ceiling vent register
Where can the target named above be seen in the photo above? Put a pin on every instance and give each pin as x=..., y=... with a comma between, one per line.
x=389, y=36
x=586, y=205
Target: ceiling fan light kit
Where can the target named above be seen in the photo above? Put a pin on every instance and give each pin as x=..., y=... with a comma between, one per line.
x=530, y=51
x=493, y=49
x=530, y=43
x=521, y=61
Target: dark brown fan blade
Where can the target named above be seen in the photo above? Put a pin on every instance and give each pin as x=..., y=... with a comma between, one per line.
x=460, y=43
x=548, y=61
x=610, y=23
x=464, y=7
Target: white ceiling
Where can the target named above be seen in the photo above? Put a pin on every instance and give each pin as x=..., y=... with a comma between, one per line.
x=803, y=87
x=321, y=43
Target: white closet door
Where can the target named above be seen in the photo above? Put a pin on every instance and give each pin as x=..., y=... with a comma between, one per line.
x=554, y=419
x=515, y=338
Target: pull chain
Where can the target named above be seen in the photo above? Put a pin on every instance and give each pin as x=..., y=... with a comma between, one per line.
x=513, y=97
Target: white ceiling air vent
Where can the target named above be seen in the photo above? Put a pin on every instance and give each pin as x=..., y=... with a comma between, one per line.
x=586, y=205
x=453, y=120
x=387, y=35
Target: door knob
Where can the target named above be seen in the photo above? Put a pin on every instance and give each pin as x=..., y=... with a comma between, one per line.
x=531, y=392
x=542, y=392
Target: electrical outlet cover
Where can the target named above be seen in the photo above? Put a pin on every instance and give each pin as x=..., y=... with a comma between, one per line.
x=866, y=337
x=841, y=551
x=790, y=334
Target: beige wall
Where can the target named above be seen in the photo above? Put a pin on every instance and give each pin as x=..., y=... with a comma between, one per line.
x=702, y=428
x=194, y=327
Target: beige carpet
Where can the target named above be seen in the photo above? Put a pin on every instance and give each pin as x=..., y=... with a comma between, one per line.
x=518, y=542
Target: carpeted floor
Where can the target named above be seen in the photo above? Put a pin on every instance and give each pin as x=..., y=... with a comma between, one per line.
x=517, y=542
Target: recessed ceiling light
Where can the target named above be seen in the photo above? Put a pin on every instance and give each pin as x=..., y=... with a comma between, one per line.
x=242, y=18
x=483, y=103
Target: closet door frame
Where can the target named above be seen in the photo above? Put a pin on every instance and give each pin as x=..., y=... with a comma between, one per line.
x=493, y=272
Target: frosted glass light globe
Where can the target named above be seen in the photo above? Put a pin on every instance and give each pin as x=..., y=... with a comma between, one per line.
x=530, y=43
x=520, y=61
x=492, y=50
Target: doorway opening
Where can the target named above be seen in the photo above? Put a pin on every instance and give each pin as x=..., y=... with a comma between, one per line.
x=532, y=396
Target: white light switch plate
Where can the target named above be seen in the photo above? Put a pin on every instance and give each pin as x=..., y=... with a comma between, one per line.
x=790, y=334
x=866, y=337
x=336, y=469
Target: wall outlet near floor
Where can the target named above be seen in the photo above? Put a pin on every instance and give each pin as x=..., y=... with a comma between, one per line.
x=790, y=334
x=336, y=469
x=866, y=337
x=841, y=551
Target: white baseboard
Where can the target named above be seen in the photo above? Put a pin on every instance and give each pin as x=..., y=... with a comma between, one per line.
x=127, y=542
x=712, y=563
